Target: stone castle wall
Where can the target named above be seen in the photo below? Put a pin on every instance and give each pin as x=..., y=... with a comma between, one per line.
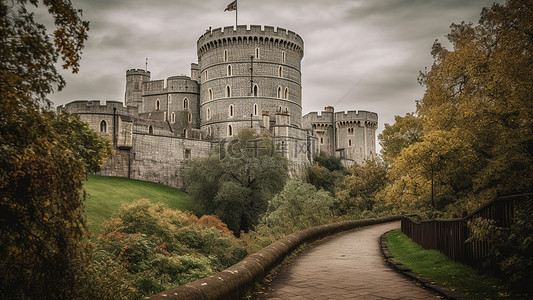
x=261, y=69
x=246, y=77
x=350, y=135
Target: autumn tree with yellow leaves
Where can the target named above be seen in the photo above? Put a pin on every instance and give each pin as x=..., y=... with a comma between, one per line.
x=471, y=138
x=43, y=157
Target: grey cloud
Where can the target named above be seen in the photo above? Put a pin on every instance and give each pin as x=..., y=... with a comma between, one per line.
x=378, y=46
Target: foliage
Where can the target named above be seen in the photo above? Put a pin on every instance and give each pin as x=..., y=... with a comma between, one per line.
x=362, y=187
x=297, y=207
x=160, y=248
x=236, y=184
x=329, y=162
x=85, y=143
x=394, y=138
x=327, y=173
x=472, y=138
x=43, y=250
x=511, y=248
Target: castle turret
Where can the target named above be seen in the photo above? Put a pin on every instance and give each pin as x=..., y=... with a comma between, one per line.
x=134, y=83
x=246, y=71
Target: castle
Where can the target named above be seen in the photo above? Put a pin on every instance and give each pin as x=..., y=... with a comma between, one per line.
x=245, y=78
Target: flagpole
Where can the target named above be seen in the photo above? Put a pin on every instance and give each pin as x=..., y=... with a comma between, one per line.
x=236, y=10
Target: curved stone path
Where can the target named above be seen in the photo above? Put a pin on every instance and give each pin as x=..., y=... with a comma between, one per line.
x=347, y=266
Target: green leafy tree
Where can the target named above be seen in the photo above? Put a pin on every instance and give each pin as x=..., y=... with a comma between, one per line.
x=237, y=183
x=327, y=173
x=84, y=142
x=297, y=207
x=362, y=186
x=329, y=162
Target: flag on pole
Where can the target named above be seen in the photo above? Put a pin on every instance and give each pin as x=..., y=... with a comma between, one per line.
x=232, y=6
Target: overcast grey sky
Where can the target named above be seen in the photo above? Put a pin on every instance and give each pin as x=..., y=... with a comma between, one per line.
x=358, y=54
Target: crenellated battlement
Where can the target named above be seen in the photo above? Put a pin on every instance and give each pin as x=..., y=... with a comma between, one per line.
x=174, y=84
x=277, y=37
x=137, y=72
x=352, y=115
x=95, y=107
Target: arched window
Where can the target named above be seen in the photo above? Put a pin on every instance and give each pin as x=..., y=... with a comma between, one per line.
x=150, y=130
x=185, y=133
x=210, y=94
x=157, y=105
x=256, y=109
x=103, y=126
x=349, y=142
x=209, y=130
x=187, y=153
x=225, y=55
x=173, y=118
x=280, y=71
x=228, y=91
x=185, y=103
x=279, y=91
x=286, y=93
x=231, y=110
x=230, y=130
x=208, y=113
x=256, y=90
x=229, y=71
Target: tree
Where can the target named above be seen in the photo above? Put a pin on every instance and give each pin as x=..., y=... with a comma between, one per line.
x=84, y=142
x=362, y=186
x=476, y=117
x=42, y=231
x=404, y=132
x=327, y=173
x=237, y=183
x=297, y=207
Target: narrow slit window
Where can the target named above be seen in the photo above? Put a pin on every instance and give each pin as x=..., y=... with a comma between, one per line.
x=228, y=91
x=103, y=126
x=230, y=130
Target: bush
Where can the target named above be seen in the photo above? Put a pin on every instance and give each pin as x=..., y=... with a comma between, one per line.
x=298, y=206
x=162, y=248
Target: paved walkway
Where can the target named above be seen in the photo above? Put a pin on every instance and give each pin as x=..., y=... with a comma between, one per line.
x=347, y=266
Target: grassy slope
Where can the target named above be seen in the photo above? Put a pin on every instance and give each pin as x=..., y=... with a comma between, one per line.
x=439, y=268
x=105, y=195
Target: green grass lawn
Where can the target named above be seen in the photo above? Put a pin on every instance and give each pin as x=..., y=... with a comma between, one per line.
x=439, y=268
x=105, y=195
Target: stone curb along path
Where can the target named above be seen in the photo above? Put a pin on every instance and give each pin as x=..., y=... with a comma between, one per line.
x=400, y=268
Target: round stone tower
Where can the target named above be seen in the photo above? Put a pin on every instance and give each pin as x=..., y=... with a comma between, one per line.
x=134, y=82
x=245, y=73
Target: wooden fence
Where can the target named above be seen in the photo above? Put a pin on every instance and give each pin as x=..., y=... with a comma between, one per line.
x=449, y=235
